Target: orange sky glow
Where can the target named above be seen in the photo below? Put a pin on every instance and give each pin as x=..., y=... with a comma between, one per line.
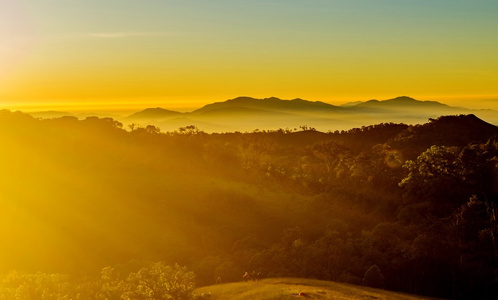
x=73, y=56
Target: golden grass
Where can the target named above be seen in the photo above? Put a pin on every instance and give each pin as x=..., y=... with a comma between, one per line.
x=290, y=288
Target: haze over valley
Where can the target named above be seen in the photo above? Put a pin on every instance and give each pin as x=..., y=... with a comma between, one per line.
x=248, y=114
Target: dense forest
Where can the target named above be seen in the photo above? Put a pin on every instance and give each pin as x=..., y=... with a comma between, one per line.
x=403, y=207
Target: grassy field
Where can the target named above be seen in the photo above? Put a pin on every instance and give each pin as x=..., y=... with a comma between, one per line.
x=292, y=288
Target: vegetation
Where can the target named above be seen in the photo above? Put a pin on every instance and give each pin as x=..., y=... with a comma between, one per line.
x=292, y=288
x=156, y=281
x=406, y=208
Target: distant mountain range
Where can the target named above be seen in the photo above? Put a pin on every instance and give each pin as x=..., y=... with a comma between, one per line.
x=247, y=114
x=252, y=106
x=272, y=104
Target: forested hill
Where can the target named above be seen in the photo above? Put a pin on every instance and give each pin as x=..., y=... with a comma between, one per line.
x=416, y=204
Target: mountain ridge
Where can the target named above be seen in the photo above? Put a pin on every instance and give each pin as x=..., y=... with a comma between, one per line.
x=402, y=100
x=298, y=104
x=247, y=114
x=272, y=103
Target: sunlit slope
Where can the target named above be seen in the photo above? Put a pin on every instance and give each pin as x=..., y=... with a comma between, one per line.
x=292, y=288
x=79, y=195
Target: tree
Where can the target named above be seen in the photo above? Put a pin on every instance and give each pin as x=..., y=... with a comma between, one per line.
x=158, y=281
x=480, y=162
x=475, y=228
x=373, y=277
x=436, y=174
x=151, y=129
x=190, y=130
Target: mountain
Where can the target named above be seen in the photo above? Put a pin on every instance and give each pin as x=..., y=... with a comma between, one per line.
x=248, y=114
x=404, y=103
x=245, y=114
x=272, y=104
x=153, y=113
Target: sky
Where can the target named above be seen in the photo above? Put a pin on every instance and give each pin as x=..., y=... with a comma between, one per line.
x=181, y=54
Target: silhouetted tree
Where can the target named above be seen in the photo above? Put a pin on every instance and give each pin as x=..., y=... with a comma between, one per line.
x=373, y=277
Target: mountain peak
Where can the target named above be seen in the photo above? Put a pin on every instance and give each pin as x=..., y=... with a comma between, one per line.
x=399, y=102
x=404, y=98
x=156, y=112
x=270, y=104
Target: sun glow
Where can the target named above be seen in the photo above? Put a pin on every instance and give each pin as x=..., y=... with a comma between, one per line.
x=183, y=57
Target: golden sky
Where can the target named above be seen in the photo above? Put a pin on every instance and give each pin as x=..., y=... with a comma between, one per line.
x=180, y=54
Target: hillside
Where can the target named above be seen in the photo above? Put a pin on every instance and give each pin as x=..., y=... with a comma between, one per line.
x=292, y=288
x=447, y=131
x=286, y=203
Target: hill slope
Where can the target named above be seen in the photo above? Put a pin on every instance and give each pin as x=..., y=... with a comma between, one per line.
x=447, y=131
x=89, y=194
x=291, y=288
